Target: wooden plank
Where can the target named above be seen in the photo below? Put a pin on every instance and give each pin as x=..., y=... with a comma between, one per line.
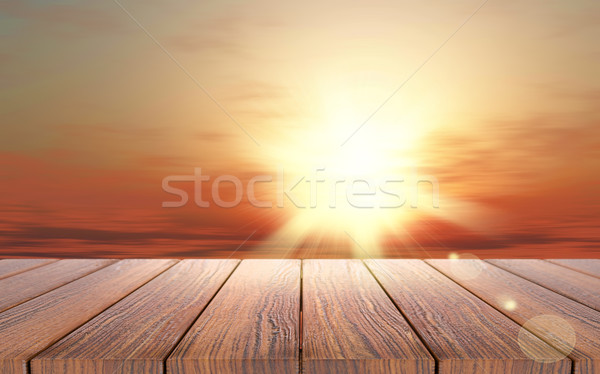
x=251, y=326
x=525, y=302
x=570, y=283
x=25, y=286
x=351, y=326
x=136, y=334
x=31, y=327
x=587, y=266
x=12, y=267
x=464, y=333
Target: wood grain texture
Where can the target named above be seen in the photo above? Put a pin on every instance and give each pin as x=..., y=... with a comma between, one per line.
x=351, y=326
x=10, y=267
x=465, y=334
x=522, y=300
x=25, y=286
x=587, y=266
x=570, y=283
x=136, y=334
x=251, y=326
x=31, y=327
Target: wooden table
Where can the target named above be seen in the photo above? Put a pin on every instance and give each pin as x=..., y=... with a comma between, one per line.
x=290, y=316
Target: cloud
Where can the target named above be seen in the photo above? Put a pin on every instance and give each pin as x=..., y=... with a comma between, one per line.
x=503, y=155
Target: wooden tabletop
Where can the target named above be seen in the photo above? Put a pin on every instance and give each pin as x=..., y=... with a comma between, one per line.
x=292, y=316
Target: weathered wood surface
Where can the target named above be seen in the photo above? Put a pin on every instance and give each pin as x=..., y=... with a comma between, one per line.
x=587, y=266
x=524, y=302
x=464, y=333
x=251, y=326
x=152, y=316
x=32, y=326
x=137, y=334
x=580, y=287
x=27, y=285
x=10, y=267
x=351, y=326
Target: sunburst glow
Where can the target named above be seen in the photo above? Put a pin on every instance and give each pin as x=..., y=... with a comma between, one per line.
x=354, y=186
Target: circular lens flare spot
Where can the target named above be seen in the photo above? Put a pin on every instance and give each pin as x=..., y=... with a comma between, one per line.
x=553, y=329
x=510, y=305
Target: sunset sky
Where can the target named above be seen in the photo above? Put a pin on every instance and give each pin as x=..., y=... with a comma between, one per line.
x=101, y=100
